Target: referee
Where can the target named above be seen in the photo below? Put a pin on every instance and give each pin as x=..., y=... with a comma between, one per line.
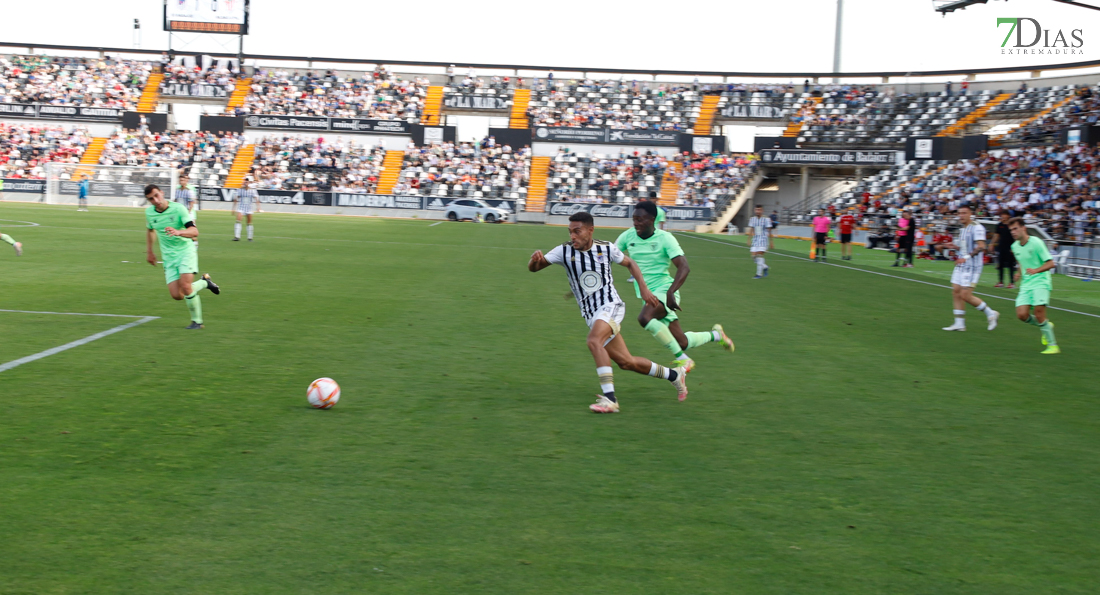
x=1002, y=244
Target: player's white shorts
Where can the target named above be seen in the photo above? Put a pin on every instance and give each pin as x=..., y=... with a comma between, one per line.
x=965, y=277
x=759, y=246
x=613, y=315
x=244, y=208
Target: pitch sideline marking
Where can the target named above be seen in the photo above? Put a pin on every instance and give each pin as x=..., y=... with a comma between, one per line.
x=78, y=342
x=434, y=224
x=989, y=295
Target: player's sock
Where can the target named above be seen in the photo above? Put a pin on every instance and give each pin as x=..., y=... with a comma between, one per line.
x=1033, y=321
x=6, y=238
x=237, y=230
x=194, y=304
x=985, y=309
x=198, y=286
x=660, y=371
x=960, y=317
x=759, y=265
x=664, y=336
x=1048, y=332
x=250, y=237
x=697, y=339
x=607, y=382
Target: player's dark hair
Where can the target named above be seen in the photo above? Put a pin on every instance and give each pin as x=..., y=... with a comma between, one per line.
x=584, y=217
x=647, y=207
x=149, y=188
x=967, y=207
x=1016, y=221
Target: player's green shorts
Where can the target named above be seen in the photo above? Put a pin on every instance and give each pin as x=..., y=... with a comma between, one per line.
x=661, y=291
x=1033, y=296
x=184, y=263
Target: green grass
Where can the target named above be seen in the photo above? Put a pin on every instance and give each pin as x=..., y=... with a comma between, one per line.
x=849, y=446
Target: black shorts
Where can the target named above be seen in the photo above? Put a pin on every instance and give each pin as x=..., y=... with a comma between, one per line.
x=845, y=238
x=820, y=237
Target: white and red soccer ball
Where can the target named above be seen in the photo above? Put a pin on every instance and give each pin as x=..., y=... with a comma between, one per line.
x=323, y=393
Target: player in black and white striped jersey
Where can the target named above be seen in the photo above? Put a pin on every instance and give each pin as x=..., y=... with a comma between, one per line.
x=246, y=201
x=760, y=228
x=587, y=264
x=970, y=245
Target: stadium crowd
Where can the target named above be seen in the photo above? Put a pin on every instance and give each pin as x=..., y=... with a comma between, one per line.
x=25, y=150
x=602, y=178
x=713, y=180
x=290, y=162
x=482, y=169
x=143, y=148
x=376, y=95
x=99, y=82
x=612, y=104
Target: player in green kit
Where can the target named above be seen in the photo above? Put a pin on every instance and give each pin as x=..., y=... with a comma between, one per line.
x=14, y=244
x=173, y=225
x=1035, y=265
x=654, y=250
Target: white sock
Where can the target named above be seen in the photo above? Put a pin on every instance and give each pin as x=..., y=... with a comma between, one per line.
x=658, y=370
x=237, y=230
x=960, y=317
x=983, y=307
x=250, y=232
x=607, y=385
x=683, y=357
x=759, y=265
x=717, y=336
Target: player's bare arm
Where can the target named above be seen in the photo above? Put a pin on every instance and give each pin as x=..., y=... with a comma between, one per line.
x=190, y=231
x=1048, y=265
x=647, y=295
x=537, y=262
x=150, y=237
x=682, y=271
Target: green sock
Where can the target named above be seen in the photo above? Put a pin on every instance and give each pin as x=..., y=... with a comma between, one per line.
x=1033, y=321
x=7, y=238
x=697, y=339
x=198, y=286
x=1048, y=332
x=194, y=304
x=664, y=337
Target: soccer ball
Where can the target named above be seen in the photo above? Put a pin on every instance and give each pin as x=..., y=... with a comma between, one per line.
x=323, y=393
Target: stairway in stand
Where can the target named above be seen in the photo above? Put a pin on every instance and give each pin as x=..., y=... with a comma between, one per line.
x=520, y=101
x=795, y=127
x=670, y=186
x=242, y=166
x=433, y=107
x=91, y=156
x=150, y=93
x=960, y=125
x=707, y=111
x=241, y=89
x=391, y=169
x=536, y=185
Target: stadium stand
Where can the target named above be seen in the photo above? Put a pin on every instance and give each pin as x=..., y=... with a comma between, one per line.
x=1060, y=107
x=295, y=163
x=72, y=81
x=1052, y=186
x=713, y=180
x=375, y=95
x=602, y=178
x=614, y=104
x=478, y=170
x=204, y=156
x=24, y=150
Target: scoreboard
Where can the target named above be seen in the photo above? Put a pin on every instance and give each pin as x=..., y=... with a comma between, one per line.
x=207, y=16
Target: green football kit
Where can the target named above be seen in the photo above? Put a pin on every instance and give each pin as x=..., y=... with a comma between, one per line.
x=1034, y=289
x=654, y=255
x=179, y=254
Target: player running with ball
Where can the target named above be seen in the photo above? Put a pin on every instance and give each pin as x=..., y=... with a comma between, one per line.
x=654, y=250
x=1035, y=266
x=587, y=263
x=172, y=223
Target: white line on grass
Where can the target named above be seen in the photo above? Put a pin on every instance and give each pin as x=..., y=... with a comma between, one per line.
x=886, y=275
x=434, y=224
x=26, y=223
x=78, y=342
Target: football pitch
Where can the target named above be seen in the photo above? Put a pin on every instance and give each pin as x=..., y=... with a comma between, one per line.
x=848, y=446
